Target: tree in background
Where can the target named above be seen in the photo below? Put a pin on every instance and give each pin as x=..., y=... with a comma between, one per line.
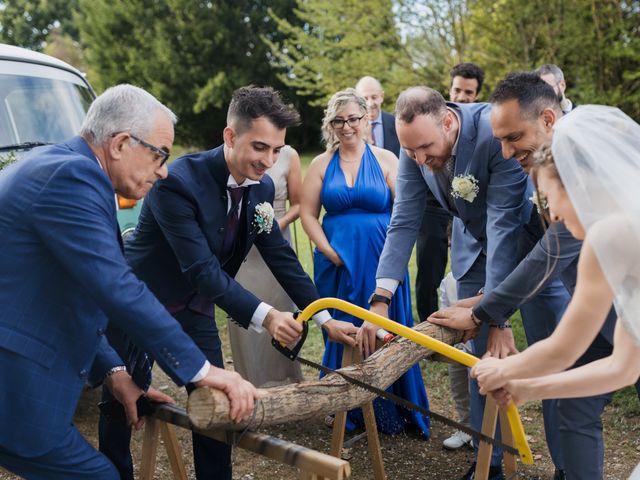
x=436, y=36
x=336, y=43
x=28, y=23
x=191, y=55
x=595, y=42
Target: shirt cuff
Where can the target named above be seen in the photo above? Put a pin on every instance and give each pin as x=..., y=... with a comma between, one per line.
x=202, y=372
x=485, y=317
x=321, y=318
x=389, y=284
x=258, y=317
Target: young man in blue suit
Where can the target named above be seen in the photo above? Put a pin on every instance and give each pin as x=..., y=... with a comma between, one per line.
x=524, y=112
x=64, y=277
x=450, y=150
x=195, y=229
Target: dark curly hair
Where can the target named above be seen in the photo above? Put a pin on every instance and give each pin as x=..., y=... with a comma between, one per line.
x=249, y=103
x=532, y=93
x=471, y=71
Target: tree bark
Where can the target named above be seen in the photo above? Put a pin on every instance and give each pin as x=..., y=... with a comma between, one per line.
x=209, y=408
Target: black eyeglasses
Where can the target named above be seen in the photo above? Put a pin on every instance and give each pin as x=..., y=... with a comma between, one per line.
x=163, y=154
x=160, y=152
x=338, y=123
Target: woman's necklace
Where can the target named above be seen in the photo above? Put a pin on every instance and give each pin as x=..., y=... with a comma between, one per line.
x=356, y=156
x=342, y=159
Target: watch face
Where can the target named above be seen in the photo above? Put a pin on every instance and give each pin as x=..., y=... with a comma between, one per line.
x=378, y=298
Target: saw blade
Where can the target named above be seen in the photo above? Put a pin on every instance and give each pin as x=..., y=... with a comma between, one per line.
x=412, y=406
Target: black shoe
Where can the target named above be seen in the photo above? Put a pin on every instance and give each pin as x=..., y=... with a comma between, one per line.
x=495, y=473
x=559, y=475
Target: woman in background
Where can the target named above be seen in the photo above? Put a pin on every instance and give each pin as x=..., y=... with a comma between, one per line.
x=354, y=182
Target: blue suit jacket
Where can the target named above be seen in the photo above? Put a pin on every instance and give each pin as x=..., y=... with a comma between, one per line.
x=177, y=243
x=63, y=277
x=391, y=141
x=491, y=223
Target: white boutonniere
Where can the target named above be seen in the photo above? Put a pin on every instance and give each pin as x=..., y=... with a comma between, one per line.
x=540, y=201
x=263, y=218
x=465, y=187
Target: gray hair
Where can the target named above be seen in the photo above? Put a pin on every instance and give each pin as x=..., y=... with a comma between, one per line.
x=338, y=101
x=123, y=108
x=550, y=68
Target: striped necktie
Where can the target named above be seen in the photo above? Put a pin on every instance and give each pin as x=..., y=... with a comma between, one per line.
x=373, y=134
x=139, y=365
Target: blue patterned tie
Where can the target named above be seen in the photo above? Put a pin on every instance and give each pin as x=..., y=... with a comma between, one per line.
x=139, y=366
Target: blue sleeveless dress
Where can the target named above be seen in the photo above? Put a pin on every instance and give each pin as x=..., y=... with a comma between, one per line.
x=355, y=223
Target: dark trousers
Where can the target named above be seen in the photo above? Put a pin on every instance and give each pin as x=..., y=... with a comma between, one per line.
x=432, y=248
x=212, y=459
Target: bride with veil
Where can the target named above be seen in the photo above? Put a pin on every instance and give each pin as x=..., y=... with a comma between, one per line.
x=590, y=177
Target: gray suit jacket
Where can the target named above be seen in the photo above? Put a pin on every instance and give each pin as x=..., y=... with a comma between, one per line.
x=491, y=223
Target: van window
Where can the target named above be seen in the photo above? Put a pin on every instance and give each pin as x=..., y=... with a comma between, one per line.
x=40, y=104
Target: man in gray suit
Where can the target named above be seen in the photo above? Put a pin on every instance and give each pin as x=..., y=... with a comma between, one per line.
x=450, y=150
x=524, y=112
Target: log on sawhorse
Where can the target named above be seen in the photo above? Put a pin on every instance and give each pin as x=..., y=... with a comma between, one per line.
x=313, y=465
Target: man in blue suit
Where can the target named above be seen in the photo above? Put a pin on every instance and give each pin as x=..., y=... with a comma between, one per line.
x=64, y=277
x=450, y=150
x=383, y=124
x=524, y=112
x=185, y=250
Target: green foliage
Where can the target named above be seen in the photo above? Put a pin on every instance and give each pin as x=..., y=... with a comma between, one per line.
x=27, y=23
x=436, y=36
x=595, y=42
x=191, y=55
x=7, y=159
x=336, y=43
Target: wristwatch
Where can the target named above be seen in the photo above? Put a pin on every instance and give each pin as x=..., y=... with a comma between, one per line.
x=119, y=368
x=378, y=298
x=501, y=326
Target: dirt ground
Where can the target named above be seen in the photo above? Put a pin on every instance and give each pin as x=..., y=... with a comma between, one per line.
x=405, y=456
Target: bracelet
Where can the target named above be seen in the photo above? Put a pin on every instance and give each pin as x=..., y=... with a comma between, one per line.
x=500, y=326
x=474, y=319
x=119, y=368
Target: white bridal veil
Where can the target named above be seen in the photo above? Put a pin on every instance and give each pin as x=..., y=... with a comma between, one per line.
x=597, y=152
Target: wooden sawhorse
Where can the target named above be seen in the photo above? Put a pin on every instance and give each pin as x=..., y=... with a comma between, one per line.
x=489, y=421
x=350, y=356
x=312, y=464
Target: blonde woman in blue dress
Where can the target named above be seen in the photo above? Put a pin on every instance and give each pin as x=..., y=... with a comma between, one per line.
x=253, y=355
x=355, y=182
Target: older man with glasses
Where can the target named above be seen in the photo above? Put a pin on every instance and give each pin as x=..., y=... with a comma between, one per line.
x=65, y=278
